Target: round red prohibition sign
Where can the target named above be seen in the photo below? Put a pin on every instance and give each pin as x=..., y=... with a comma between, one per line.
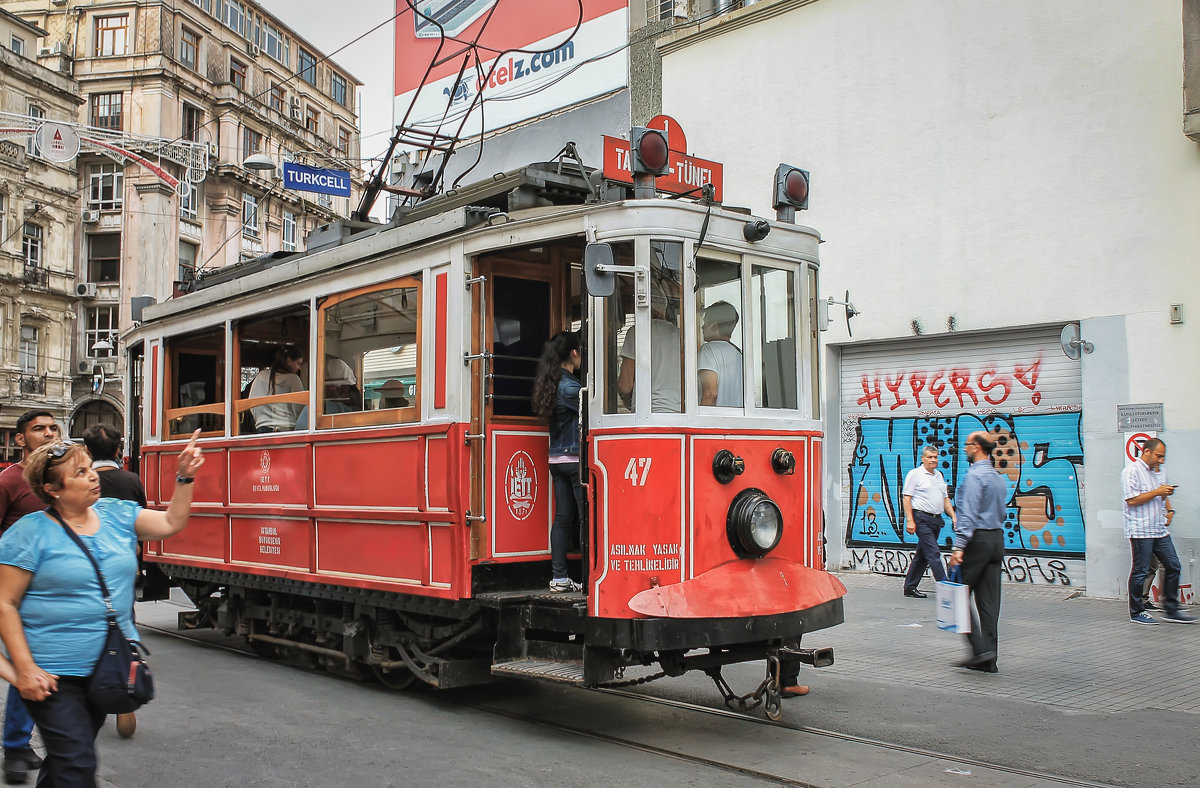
x=1133, y=446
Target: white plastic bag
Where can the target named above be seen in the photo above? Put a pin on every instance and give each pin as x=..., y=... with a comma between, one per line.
x=953, y=605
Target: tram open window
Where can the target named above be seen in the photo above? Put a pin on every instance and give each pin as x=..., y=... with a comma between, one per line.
x=273, y=375
x=666, y=339
x=773, y=330
x=521, y=316
x=814, y=345
x=617, y=316
x=195, y=384
x=370, y=348
x=720, y=367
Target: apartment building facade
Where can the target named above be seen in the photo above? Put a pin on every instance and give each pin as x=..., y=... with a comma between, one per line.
x=222, y=77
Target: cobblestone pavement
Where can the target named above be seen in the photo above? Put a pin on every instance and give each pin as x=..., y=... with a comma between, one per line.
x=1074, y=653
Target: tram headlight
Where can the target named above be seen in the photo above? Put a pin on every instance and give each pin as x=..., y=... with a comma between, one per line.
x=754, y=524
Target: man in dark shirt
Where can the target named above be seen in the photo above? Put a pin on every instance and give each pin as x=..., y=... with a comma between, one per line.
x=35, y=428
x=103, y=442
x=979, y=547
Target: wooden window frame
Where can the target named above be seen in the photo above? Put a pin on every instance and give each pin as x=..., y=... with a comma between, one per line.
x=171, y=374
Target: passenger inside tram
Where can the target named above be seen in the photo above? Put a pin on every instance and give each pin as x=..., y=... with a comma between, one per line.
x=719, y=361
x=341, y=394
x=666, y=356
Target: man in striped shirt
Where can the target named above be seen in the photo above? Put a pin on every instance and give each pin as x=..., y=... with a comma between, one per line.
x=1148, y=512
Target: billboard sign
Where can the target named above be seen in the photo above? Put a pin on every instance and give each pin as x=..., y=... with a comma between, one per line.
x=297, y=177
x=532, y=59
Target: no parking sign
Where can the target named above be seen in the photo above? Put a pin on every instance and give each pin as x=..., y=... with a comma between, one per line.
x=1134, y=441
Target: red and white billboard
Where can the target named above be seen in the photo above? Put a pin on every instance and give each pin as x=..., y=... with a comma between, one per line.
x=532, y=59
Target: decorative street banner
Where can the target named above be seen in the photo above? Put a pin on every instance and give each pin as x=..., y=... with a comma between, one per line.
x=541, y=61
x=312, y=179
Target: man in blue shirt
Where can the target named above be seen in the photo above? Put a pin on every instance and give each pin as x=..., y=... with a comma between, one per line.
x=979, y=547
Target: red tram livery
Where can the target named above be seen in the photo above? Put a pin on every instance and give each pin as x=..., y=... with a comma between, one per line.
x=402, y=523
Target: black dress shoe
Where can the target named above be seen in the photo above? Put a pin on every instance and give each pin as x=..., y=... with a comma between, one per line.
x=915, y=593
x=985, y=662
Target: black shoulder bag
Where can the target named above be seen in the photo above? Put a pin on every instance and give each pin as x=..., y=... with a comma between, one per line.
x=121, y=682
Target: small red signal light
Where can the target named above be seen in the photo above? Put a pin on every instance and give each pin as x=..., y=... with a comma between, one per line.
x=791, y=187
x=796, y=186
x=648, y=151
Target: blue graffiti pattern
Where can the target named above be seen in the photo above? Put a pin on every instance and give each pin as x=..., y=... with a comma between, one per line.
x=1039, y=456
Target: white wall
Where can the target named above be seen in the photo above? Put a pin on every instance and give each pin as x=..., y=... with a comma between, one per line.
x=1007, y=162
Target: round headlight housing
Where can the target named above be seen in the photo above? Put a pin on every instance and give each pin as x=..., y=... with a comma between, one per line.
x=754, y=524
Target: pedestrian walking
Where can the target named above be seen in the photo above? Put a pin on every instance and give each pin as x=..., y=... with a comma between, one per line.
x=925, y=499
x=979, y=548
x=1148, y=514
x=35, y=428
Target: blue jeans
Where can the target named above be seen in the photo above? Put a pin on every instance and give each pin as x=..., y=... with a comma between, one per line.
x=928, y=554
x=568, y=512
x=18, y=725
x=1142, y=549
x=69, y=725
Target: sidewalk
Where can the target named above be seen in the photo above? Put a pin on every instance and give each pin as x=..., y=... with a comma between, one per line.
x=1079, y=654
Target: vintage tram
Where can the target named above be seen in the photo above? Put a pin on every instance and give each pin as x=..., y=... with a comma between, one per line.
x=402, y=524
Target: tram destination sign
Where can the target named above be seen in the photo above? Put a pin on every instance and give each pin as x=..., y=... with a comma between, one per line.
x=688, y=173
x=298, y=177
x=1140, y=417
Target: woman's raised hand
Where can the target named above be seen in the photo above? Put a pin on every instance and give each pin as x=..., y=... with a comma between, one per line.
x=191, y=458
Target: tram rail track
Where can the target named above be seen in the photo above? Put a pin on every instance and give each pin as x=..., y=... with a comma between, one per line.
x=696, y=708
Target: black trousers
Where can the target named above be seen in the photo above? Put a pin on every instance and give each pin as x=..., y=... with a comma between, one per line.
x=928, y=554
x=69, y=725
x=982, y=562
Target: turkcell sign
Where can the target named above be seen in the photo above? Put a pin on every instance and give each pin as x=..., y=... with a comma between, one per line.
x=312, y=179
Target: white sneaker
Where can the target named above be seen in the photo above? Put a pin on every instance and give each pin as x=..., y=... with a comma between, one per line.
x=564, y=585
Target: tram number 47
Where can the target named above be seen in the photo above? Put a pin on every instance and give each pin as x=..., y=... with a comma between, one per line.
x=637, y=470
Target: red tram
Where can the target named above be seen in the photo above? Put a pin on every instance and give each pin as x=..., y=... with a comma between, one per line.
x=402, y=524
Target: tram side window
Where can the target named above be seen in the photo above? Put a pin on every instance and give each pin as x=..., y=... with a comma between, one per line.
x=272, y=372
x=719, y=311
x=196, y=384
x=814, y=345
x=773, y=331
x=372, y=365
x=617, y=322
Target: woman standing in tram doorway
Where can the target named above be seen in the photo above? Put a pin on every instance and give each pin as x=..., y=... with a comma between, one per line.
x=279, y=378
x=556, y=401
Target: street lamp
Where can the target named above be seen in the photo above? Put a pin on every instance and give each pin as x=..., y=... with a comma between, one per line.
x=259, y=162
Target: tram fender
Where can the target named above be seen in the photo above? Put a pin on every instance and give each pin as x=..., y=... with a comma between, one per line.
x=745, y=587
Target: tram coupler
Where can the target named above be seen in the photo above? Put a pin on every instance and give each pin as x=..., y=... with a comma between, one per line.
x=817, y=657
x=767, y=695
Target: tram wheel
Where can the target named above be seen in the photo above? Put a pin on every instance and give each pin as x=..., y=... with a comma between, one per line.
x=398, y=679
x=264, y=650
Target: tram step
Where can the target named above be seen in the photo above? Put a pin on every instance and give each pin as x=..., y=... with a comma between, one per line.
x=562, y=672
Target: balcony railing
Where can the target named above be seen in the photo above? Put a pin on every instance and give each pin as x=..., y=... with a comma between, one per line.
x=33, y=384
x=36, y=275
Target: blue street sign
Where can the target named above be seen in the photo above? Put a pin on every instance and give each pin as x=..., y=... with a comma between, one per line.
x=312, y=179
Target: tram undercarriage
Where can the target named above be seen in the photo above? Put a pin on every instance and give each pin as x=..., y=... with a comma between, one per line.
x=400, y=638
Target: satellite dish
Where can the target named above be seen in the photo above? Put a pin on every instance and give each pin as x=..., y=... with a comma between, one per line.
x=1072, y=345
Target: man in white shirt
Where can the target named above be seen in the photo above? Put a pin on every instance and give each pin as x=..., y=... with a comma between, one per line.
x=665, y=353
x=719, y=361
x=1148, y=512
x=925, y=499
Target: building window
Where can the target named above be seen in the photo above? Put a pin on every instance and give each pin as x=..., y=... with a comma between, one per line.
x=235, y=17
x=189, y=49
x=101, y=324
x=187, y=262
x=249, y=215
x=36, y=114
x=289, y=232
x=3, y=216
x=338, y=89
x=311, y=119
x=237, y=73
x=104, y=258
x=193, y=119
x=251, y=141
x=31, y=244
x=278, y=97
x=17, y=45
x=106, y=111
x=107, y=186
x=10, y=451
x=28, y=352
x=343, y=143
x=308, y=66
x=205, y=4
x=273, y=43
x=112, y=35
x=189, y=204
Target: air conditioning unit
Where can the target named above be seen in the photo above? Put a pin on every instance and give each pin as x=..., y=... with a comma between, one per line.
x=85, y=290
x=212, y=150
x=252, y=49
x=83, y=367
x=91, y=217
x=295, y=109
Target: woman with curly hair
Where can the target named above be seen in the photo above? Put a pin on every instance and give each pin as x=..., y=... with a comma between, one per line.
x=556, y=402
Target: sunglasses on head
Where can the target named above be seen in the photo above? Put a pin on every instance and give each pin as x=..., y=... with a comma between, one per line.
x=57, y=452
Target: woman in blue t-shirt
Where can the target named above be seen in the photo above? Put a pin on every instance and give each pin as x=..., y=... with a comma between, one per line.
x=556, y=401
x=52, y=613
